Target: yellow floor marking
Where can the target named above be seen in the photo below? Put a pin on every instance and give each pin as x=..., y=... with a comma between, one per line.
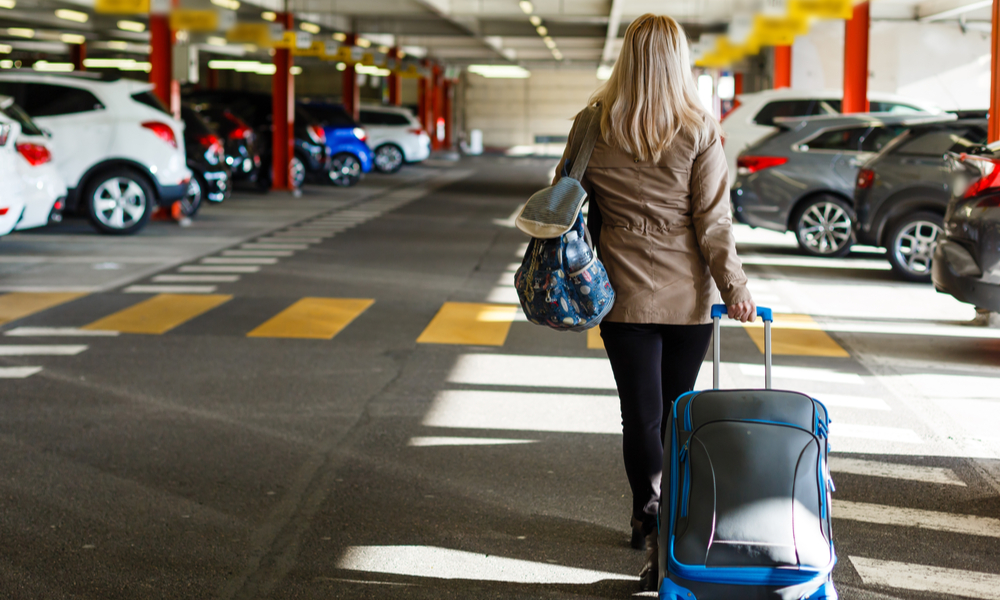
x=594, y=341
x=795, y=335
x=17, y=305
x=470, y=324
x=313, y=318
x=160, y=313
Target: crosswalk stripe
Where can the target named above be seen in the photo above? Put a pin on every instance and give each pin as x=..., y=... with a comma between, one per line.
x=594, y=340
x=294, y=236
x=282, y=240
x=228, y=260
x=159, y=314
x=470, y=324
x=533, y=371
x=313, y=318
x=874, y=432
x=861, y=402
x=278, y=253
x=170, y=289
x=196, y=278
x=57, y=332
x=18, y=305
x=801, y=373
x=926, y=578
x=519, y=411
x=873, y=468
x=18, y=372
x=464, y=441
x=273, y=246
x=913, y=517
x=795, y=335
x=53, y=350
x=219, y=269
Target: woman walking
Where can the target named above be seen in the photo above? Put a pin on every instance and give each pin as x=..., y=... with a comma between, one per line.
x=659, y=181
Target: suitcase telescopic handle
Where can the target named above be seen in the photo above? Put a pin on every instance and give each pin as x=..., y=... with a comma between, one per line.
x=718, y=310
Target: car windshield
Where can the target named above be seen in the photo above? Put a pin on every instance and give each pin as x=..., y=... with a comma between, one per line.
x=937, y=142
x=28, y=126
x=151, y=100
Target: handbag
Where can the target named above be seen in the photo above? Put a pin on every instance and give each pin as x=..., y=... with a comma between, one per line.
x=561, y=283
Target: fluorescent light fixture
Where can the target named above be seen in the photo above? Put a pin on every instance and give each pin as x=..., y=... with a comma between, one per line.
x=727, y=87
x=249, y=48
x=269, y=16
x=384, y=49
x=296, y=70
x=372, y=70
x=6, y=64
x=340, y=37
x=44, y=65
x=363, y=43
x=21, y=32
x=542, y=30
x=535, y=20
x=402, y=54
x=551, y=43
x=216, y=41
x=134, y=26
x=7, y=4
x=122, y=64
x=705, y=91
x=557, y=54
x=526, y=6
x=228, y=4
x=604, y=72
x=310, y=27
x=117, y=45
x=500, y=71
x=341, y=66
x=243, y=66
x=72, y=38
x=72, y=15
x=6, y=49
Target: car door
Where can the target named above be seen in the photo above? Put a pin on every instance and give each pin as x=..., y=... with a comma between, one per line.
x=838, y=151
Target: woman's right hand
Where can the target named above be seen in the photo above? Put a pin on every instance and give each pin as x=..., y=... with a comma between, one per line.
x=743, y=311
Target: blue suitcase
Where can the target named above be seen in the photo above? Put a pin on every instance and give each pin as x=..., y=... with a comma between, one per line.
x=746, y=509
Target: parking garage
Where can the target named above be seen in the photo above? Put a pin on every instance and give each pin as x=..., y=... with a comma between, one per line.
x=259, y=335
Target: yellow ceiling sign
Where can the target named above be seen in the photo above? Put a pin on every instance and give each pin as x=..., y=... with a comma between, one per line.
x=258, y=34
x=194, y=20
x=316, y=48
x=822, y=9
x=778, y=31
x=122, y=7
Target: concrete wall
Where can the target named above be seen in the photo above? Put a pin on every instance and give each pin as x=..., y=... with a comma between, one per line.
x=934, y=62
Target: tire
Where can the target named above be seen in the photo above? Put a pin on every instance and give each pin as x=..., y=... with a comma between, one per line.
x=910, y=244
x=824, y=226
x=389, y=158
x=296, y=173
x=195, y=196
x=119, y=202
x=345, y=170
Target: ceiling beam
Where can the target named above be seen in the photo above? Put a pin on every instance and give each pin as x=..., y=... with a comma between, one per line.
x=470, y=25
x=940, y=10
x=614, y=24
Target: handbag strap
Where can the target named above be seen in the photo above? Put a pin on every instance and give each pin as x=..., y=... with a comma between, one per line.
x=591, y=130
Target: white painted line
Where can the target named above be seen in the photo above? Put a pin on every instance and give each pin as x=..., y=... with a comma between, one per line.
x=861, y=402
x=196, y=278
x=913, y=517
x=57, y=332
x=170, y=289
x=217, y=260
x=874, y=468
x=284, y=240
x=262, y=246
x=229, y=269
x=533, y=371
x=41, y=350
x=873, y=432
x=925, y=578
x=569, y=413
x=279, y=253
x=291, y=236
x=18, y=372
x=801, y=373
x=464, y=441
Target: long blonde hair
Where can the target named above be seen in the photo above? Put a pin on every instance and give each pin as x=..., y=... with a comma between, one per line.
x=651, y=95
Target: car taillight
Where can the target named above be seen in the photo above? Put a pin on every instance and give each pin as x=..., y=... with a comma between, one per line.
x=416, y=131
x=4, y=211
x=316, y=134
x=360, y=133
x=209, y=140
x=213, y=148
x=990, y=175
x=162, y=131
x=746, y=165
x=241, y=132
x=35, y=154
x=866, y=177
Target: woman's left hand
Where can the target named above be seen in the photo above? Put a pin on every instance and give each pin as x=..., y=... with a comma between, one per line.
x=743, y=311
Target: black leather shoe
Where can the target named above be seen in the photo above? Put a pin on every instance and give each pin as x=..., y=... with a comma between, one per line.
x=638, y=538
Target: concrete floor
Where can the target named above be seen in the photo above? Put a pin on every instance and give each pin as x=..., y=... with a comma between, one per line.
x=202, y=463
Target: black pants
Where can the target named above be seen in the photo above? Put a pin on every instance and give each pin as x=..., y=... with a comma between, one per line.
x=653, y=365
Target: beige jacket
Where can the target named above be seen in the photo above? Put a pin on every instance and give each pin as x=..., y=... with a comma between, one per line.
x=666, y=238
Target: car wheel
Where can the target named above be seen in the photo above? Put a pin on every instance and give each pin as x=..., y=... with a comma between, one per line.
x=119, y=202
x=824, y=226
x=296, y=172
x=388, y=158
x=345, y=170
x=195, y=196
x=911, y=243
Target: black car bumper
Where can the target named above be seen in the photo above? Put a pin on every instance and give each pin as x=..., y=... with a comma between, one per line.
x=954, y=271
x=750, y=210
x=168, y=194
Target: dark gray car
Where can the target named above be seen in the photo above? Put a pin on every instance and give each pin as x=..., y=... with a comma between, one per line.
x=801, y=178
x=967, y=260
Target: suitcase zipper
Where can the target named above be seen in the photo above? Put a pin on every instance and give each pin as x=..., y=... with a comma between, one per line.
x=682, y=458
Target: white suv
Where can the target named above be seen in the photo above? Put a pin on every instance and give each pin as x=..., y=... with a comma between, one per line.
x=44, y=192
x=12, y=189
x=395, y=137
x=754, y=117
x=118, y=149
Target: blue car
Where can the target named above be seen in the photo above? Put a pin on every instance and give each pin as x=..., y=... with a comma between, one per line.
x=346, y=140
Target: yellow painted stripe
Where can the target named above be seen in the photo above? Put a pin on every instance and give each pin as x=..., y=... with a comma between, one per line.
x=160, y=313
x=594, y=341
x=470, y=324
x=796, y=335
x=18, y=305
x=313, y=318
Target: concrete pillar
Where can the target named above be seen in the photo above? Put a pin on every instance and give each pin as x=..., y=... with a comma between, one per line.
x=160, y=57
x=395, y=82
x=352, y=93
x=994, y=126
x=77, y=54
x=283, y=105
x=782, y=67
x=856, y=61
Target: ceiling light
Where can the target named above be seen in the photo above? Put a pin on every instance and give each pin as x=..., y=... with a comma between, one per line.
x=249, y=48
x=269, y=16
x=604, y=72
x=72, y=38
x=44, y=65
x=296, y=70
x=500, y=71
x=122, y=64
x=535, y=20
x=72, y=15
x=216, y=41
x=556, y=53
x=6, y=64
x=341, y=66
x=340, y=37
x=363, y=43
x=310, y=27
x=230, y=4
x=372, y=70
x=527, y=7
x=5, y=49
x=542, y=30
x=7, y=3
x=402, y=54
x=384, y=49
x=242, y=66
x=135, y=26
x=21, y=32
x=117, y=45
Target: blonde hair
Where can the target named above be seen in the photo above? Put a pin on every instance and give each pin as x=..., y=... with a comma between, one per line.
x=651, y=95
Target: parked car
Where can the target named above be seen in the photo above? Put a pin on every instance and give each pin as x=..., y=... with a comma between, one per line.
x=395, y=136
x=801, y=178
x=754, y=118
x=310, y=158
x=115, y=145
x=12, y=190
x=902, y=193
x=239, y=141
x=967, y=260
x=207, y=161
x=346, y=140
x=44, y=191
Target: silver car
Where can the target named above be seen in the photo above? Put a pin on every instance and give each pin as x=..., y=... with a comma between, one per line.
x=801, y=178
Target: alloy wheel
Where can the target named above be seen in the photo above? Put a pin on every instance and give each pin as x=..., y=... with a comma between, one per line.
x=119, y=203
x=388, y=159
x=913, y=247
x=296, y=172
x=345, y=170
x=192, y=201
x=825, y=228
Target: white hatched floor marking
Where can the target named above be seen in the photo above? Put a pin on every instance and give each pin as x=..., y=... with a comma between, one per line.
x=285, y=240
x=277, y=253
x=220, y=269
x=926, y=578
x=169, y=289
x=196, y=278
x=18, y=372
x=801, y=373
x=219, y=260
x=57, y=332
x=874, y=432
x=873, y=468
x=464, y=441
x=272, y=246
x=53, y=350
x=912, y=517
x=862, y=402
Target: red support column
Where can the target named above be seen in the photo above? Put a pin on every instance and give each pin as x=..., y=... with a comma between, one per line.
x=352, y=93
x=782, y=67
x=161, y=68
x=77, y=54
x=212, y=79
x=283, y=104
x=449, y=117
x=994, y=126
x=737, y=89
x=856, y=61
x=395, y=82
x=422, y=102
x=437, y=107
